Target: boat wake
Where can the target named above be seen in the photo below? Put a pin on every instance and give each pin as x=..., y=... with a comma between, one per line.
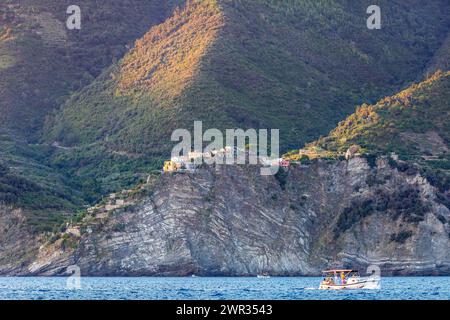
x=372, y=284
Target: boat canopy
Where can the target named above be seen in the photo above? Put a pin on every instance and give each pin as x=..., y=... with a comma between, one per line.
x=339, y=270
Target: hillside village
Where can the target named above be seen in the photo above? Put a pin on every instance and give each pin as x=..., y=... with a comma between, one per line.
x=194, y=158
x=119, y=200
x=191, y=162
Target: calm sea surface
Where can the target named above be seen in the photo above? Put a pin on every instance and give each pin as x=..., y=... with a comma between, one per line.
x=428, y=288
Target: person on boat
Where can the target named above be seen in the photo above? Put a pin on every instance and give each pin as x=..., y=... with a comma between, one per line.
x=342, y=277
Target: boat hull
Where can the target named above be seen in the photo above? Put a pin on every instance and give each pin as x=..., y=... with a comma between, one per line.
x=369, y=283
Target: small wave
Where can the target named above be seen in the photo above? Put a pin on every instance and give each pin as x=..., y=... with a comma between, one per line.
x=217, y=294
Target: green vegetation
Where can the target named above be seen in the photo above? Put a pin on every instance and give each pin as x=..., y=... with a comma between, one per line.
x=413, y=124
x=404, y=203
x=298, y=65
x=24, y=176
x=402, y=236
x=44, y=209
x=358, y=210
x=262, y=64
x=119, y=227
x=41, y=65
x=69, y=242
x=281, y=177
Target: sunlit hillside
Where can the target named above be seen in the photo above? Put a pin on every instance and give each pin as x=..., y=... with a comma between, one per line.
x=412, y=124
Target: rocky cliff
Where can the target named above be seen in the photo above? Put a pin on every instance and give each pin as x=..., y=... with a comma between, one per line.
x=19, y=246
x=232, y=221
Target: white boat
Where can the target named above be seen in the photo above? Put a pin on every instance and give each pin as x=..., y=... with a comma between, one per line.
x=347, y=279
x=263, y=276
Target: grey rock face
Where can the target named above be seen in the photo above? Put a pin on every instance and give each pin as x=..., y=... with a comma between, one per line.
x=18, y=247
x=232, y=221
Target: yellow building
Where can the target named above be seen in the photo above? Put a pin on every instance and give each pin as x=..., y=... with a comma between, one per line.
x=170, y=166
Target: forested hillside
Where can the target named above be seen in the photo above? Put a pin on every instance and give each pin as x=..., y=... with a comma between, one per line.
x=300, y=66
x=87, y=112
x=41, y=64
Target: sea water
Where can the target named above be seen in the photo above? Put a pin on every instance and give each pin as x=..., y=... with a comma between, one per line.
x=216, y=288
